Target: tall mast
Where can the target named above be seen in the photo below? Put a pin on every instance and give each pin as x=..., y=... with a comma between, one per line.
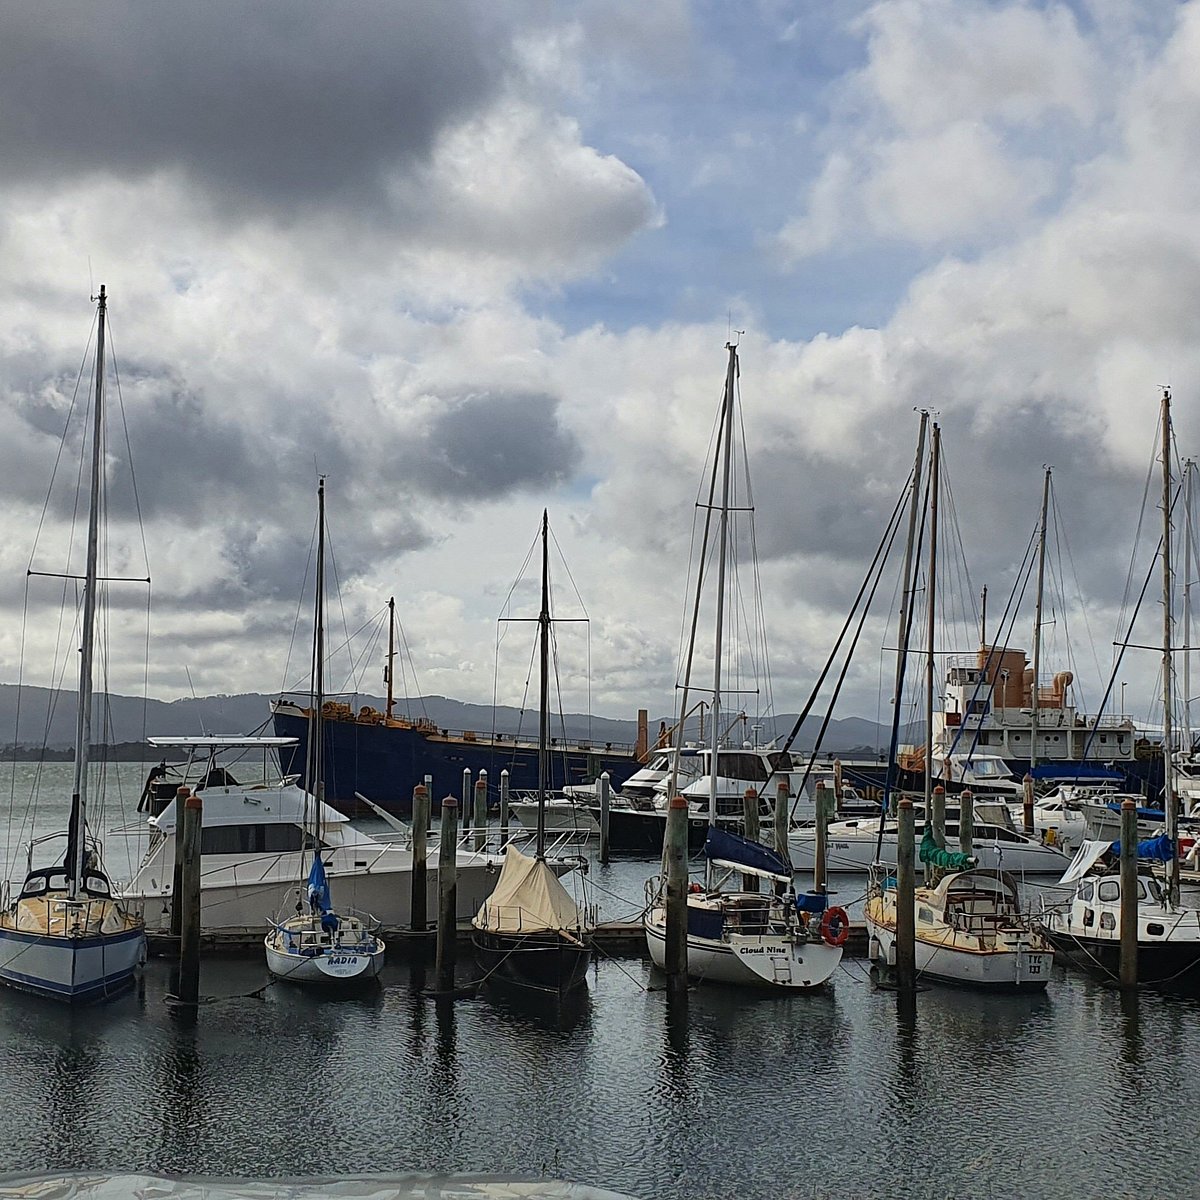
x=391, y=657
x=722, y=551
x=1189, y=475
x=934, y=479
x=77, y=831
x=544, y=720
x=983, y=617
x=1037, y=626
x=317, y=777
x=905, y=620
x=1167, y=667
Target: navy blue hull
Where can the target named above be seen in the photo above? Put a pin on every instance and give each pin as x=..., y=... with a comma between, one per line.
x=385, y=762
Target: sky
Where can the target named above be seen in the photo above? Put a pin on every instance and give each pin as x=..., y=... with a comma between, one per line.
x=470, y=260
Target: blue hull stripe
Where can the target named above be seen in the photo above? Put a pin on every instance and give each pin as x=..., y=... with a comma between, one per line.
x=61, y=991
x=43, y=939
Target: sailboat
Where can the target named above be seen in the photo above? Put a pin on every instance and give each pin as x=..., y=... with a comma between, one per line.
x=740, y=936
x=530, y=932
x=1087, y=928
x=66, y=935
x=317, y=944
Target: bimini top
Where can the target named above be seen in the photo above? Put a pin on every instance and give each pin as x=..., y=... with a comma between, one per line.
x=233, y=741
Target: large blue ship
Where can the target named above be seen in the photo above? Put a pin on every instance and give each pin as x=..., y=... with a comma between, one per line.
x=383, y=758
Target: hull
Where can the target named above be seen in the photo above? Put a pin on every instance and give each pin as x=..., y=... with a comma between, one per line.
x=338, y=969
x=543, y=963
x=758, y=961
x=72, y=969
x=385, y=762
x=640, y=831
x=1024, y=970
x=235, y=902
x=1162, y=964
x=857, y=855
x=560, y=817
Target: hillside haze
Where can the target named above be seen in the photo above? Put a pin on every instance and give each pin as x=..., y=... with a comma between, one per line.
x=47, y=718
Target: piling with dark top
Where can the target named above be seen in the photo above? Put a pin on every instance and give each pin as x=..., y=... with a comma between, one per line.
x=1129, y=906
x=481, y=811
x=418, y=909
x=675, y=846
x=1027, y=802
x=966, y=822
x=447, y=927
x=466, y=799
x=906, y=898
x=504, y=814
x=191, y=812
x=825, y=803
x=750, y=829
x=605, y=799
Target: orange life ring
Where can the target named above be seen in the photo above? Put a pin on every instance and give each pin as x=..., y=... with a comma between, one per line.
x=835, y=926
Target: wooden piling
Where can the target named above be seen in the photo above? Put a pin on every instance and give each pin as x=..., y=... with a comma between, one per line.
x=937, y=821
x=504, y=813
x=966, y=822
x=675, y=839
x=906, y=889
x=824, y=807
x=466, y=799
x=605, y=800
x=781, y=819
x=419, y=904
x=750, y=829
x=191, y=812
x=1129, y=905
x=481, y=812
x=1027, y=802
x=447, y=895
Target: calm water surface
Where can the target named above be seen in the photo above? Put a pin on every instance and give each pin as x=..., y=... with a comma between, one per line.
x=836, y=1094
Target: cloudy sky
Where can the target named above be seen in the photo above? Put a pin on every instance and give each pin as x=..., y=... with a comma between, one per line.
x=472, y=259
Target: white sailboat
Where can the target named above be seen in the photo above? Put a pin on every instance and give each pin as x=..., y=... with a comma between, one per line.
x=66, y=936
x=740, y=936
x=317, y=944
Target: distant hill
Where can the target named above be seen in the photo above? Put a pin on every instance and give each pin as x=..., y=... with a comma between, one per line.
x=48, y=718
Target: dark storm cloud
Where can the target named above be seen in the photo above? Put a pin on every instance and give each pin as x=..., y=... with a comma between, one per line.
x=488, y=444
x=273, y=102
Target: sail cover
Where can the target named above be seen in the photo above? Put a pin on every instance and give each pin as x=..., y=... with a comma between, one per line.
x=528, y=898
x=731, y=850
x=318, y=885
x=1156, y=849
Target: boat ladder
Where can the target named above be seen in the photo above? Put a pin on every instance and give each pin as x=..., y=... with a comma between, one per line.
x=781, y=966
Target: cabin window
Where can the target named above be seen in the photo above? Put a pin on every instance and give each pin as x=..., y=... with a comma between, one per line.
x=1154, y=929
x=780, y=761
x=251, y=839
x=1087, y=891
x=977, y=706
x=1108, y=920
x=924, y=914
x=1141, y=889
x=741, y=766
x=1109, y=889
x=1089, y=917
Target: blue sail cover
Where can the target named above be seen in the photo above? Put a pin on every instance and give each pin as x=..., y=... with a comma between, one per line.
x=1159, y=849
x=741, y=854
x=1089, y=771
x=318, y=885
x=1144, y=814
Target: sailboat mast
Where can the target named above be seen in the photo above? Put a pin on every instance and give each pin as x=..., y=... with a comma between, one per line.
x=1189, y=475
x=317, y=778
x=1167, y=667
x=722, y=553
x=83, y=718
x=1037, y=625
x=391, y=657
x=934, y=477
x=544, y=716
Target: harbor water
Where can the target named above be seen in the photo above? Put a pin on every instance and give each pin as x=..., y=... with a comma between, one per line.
x=1074, y=1092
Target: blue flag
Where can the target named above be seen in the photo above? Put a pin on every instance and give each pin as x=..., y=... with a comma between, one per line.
x=318, y=885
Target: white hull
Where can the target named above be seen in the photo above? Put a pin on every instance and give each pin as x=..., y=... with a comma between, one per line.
x=71, y=968
x=562, y=816
x=1022, y=968
x=236, y=899
x=753, y=960
x=858, y=854
x=331, y=969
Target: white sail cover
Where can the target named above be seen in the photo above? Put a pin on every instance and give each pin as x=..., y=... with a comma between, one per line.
x=528, y=898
